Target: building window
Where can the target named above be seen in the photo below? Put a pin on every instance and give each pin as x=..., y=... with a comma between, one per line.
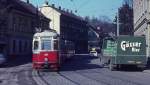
x=20, y=46
x=14, y=46
x=25, y=46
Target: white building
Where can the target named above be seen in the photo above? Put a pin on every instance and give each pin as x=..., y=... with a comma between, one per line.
x=52, y=14
x=141, y=9
x=70, y=26
x=18, y=21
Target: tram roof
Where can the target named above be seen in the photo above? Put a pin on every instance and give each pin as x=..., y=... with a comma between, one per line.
x=46, y=33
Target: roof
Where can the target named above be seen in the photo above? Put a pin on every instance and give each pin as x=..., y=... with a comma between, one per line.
x=28, y=6
x=63, y=12
x=46, y=33
x=69, y=14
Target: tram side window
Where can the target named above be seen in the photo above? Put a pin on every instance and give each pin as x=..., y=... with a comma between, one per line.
x=46, y=45
x=36, y=45
x=55, y=44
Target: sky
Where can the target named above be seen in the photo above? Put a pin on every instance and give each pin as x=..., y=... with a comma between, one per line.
x=92, y=8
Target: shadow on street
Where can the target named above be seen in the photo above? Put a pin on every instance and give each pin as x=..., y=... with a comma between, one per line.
x=79, y=63
x=19, y=60
x=148, y=64
x=130, y=68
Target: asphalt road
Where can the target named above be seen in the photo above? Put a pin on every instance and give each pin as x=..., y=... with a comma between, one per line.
x=80, y=70
x=86, y=70
x=17, y=72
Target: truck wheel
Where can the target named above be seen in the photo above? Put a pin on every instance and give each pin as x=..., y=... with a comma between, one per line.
x=118, y=66
x=141, y=69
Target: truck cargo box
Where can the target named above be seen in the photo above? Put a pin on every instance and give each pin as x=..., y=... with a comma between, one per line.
x=124, y=50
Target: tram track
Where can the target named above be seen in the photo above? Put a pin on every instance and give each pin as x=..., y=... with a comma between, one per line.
x=38, y=78
x=42, y=81
x=60, y=78
x=97, y=76
x=101, y=83
x=114, y=76
x=68, y=78
x=102, y=80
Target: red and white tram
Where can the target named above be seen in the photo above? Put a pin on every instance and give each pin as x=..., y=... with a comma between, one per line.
x=49, y=51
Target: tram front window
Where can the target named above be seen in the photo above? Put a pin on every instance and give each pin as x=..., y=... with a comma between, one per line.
x=46, y=45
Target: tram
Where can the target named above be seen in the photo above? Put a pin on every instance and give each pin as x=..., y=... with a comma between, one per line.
x=49, y=51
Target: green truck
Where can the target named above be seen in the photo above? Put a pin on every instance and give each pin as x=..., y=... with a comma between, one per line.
x=124, y=50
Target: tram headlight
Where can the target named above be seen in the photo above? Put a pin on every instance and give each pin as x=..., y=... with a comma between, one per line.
x=46, y=59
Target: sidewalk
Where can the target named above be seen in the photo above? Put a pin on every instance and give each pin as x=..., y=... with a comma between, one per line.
x=147, y=70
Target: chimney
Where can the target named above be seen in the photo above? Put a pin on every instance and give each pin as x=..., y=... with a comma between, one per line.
x=53, y=5
x=63, y=9
x=46, y=2
x=28, y=1
x=59, y=7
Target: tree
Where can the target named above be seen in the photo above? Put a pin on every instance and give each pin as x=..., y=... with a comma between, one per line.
x=101, y=24
x=126, y=20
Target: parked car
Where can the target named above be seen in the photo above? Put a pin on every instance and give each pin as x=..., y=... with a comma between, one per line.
x=93, y=53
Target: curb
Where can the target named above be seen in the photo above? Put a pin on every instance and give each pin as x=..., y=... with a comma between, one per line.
x=147, y=71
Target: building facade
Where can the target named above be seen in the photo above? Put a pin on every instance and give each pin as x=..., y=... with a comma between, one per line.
x=141, y=10
x=18, y=24
x=68, y=25
x=93, y=39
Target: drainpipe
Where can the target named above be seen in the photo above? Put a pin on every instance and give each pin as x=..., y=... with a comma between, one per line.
x=148, y=39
